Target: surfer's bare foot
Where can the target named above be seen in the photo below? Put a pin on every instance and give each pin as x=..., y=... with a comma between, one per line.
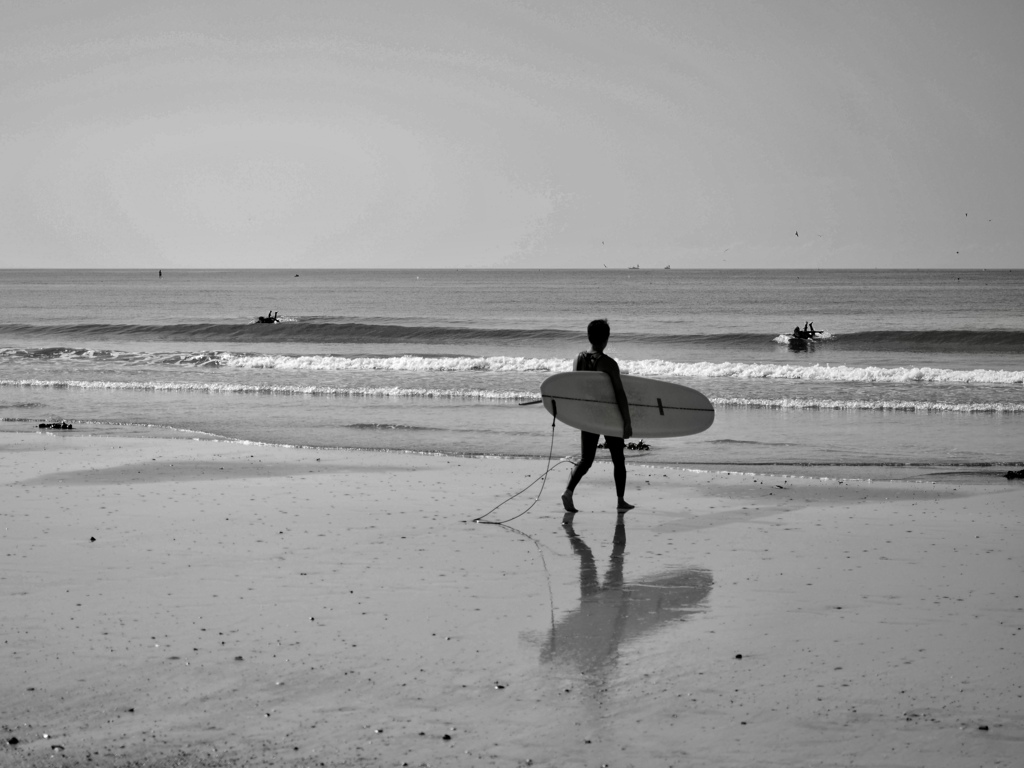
x=624, y=506
x=567, y=502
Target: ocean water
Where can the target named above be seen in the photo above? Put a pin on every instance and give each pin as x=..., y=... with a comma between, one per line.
x=921, y=373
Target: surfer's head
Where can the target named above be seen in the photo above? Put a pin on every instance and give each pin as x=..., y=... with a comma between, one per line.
x=598, y=332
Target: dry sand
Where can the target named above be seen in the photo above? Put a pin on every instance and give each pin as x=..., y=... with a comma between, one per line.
x=184, y=603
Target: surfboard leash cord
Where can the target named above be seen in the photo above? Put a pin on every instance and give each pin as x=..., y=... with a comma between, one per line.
x=542, y=479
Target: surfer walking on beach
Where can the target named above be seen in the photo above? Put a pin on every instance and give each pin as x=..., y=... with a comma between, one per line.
x=595, y=359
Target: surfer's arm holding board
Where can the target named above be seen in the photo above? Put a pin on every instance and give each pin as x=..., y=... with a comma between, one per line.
x=607, y=365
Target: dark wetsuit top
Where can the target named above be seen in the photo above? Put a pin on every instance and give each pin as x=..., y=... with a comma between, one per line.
x=587, y=360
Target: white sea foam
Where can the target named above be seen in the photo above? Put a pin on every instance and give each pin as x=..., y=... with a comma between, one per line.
x=838, y=373
x=501, y=395
x=866, y=405
x=401, y=363
x=261, y=389
x=664, y=369
x=654, y=368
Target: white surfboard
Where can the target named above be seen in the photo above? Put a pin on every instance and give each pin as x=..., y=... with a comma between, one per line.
x=585, y=400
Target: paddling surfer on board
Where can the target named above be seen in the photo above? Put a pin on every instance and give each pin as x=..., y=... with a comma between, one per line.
x=595, y=359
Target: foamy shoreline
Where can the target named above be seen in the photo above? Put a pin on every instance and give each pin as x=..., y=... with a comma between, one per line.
x=201, y=603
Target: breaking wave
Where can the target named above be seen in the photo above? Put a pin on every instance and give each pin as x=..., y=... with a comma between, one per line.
x=501, y=396
x=865, y=405
x=665, y=369
x=654, y=368
x=215, y=388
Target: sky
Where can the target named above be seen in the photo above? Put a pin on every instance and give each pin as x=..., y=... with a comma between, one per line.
x=511, y=134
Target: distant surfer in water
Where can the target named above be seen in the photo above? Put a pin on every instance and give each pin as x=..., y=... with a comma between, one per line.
x=595, y=359
x=805, y=333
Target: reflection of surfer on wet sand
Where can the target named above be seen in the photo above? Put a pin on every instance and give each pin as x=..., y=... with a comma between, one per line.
x=614, y=612
x=589, y=585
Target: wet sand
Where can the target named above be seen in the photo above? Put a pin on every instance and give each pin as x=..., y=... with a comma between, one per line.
x=185, y=603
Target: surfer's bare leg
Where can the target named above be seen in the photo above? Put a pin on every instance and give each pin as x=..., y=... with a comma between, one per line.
x=616, y=447
x=570, y=508
x=588, y=450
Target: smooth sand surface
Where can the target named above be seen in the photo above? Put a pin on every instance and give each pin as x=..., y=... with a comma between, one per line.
x=184, y=603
